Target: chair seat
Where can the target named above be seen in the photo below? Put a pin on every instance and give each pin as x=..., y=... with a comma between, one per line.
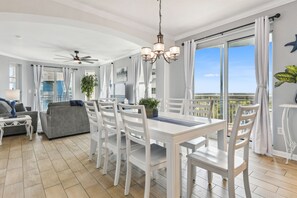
x=194, y=144
x=213, y=157
x=158, y=155
x=112, y=140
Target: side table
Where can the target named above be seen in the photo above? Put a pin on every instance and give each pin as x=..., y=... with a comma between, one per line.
x=289, y=142
x=18, y=121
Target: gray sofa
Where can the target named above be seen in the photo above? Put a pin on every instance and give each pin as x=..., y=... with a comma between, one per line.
x=5, y=110
x=61, y=120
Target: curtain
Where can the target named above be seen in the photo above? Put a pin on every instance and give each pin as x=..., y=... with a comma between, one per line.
x=147, y=75
x=102, y=93
x=67, y=76
x=108, y=71
x=37, y=76
x=137, y=64
x=189, y=62
x=262, y=137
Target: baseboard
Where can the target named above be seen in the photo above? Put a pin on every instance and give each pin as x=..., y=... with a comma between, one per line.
x=283, y=154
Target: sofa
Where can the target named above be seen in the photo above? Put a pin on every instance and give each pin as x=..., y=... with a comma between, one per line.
x=61, y=119
x=5, y=110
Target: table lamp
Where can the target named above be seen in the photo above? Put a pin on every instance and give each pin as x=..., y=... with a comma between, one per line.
x=13, y=96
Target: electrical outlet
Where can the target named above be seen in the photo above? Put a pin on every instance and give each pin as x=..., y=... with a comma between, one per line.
x=279, y=131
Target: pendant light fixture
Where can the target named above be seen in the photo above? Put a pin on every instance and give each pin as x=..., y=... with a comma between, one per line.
x=159, y=49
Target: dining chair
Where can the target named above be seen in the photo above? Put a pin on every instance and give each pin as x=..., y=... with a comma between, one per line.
x=150, y=157
x=174, y=105
x=108, y=100
x=201, y=108
x=96, y=127
x=114, y=140
x=226, y=163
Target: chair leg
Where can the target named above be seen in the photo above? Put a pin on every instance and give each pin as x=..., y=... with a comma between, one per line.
x=147, y=183
x=209, y=177
x=246, y=183
x=99, y=154
x=189, y=179
x=93, y=145
x=128, y=177
x=231, y=186
x=193, y=170
x=118, y=167
x=106, y=160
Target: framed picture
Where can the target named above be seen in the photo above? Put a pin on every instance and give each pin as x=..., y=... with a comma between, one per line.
x=121, y=74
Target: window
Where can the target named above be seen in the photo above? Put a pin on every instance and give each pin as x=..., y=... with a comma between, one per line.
x=13, y=76
x=52, y=87
x=225, y=73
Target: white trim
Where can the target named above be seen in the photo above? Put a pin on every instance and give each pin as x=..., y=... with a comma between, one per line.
x=283, y=154
x=234, y=18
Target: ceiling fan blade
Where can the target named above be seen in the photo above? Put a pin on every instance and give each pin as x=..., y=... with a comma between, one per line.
x=72, y=55
x=62, y=58
x=89, y=59
x=67, y=61
x=85, y=57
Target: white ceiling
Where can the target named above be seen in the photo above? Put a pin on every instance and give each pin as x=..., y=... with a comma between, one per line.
x=111, y=29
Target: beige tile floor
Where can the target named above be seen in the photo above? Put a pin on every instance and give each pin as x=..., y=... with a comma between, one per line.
x=60, y=168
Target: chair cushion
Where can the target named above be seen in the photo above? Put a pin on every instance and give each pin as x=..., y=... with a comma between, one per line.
x=158, y=154
x=213, y=157
x=19, y=107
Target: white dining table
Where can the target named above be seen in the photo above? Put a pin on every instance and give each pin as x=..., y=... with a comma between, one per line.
x=174, y=134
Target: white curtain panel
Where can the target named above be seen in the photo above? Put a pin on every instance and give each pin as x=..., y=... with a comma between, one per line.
x=262, y=136
x=189, y=63
x=137, y=64
x=108, y=71
x=147, y=74
x=67, y=76
x=37, y=76
x=102, y=85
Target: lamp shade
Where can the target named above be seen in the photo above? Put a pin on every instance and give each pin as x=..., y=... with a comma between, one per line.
x=13, y=94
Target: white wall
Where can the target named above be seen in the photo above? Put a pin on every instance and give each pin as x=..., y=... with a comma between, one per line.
x=284, y=31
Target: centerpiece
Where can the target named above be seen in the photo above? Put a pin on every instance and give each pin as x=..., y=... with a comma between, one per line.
x=151, y=106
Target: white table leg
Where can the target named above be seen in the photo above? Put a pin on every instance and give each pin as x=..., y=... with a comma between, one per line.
x=29, y=129
x=285, y=125
x=173, y=170
x=221, y=136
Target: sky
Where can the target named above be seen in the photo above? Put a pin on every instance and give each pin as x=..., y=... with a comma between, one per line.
x=241, y=71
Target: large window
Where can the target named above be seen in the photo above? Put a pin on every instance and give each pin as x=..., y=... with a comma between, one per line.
x=225, y=72
x=52, y=87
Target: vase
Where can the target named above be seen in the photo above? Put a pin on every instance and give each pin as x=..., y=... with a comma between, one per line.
x=150, y=113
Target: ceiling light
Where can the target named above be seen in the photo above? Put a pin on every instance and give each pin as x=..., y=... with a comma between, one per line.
x=18, y=36
x=159, y=49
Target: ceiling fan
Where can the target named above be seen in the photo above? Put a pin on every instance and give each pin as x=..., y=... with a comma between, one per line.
x=76, y=58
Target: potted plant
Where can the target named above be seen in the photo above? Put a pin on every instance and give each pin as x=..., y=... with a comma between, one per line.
x=88, y=83
x=288, y=76
x=150, y=105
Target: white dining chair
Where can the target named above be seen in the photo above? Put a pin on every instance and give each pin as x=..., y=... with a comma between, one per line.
x=115, y=140
x=226, y=163
x=174, y=105
x=150, y=157
x=201, y=108
x=96, y=127
x=108, y=100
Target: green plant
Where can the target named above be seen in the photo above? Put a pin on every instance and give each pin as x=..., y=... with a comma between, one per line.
x=87, y=85
x=288, y=76
x=149, y=103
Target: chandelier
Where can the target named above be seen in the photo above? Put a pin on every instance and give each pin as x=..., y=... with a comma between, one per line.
x=159, y=49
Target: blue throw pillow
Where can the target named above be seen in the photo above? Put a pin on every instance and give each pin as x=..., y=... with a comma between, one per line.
x=76, y=103
x=2, y=99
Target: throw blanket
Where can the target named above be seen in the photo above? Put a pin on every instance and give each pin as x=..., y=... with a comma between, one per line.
x=76, y=103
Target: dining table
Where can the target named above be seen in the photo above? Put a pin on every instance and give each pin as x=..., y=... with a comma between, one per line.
x=173, y=129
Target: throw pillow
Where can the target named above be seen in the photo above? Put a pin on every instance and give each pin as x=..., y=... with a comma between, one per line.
x=19, y=107
x=4, y=107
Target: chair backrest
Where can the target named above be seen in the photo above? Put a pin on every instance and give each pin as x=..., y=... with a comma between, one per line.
x=109, y=116
x=199, y=107
x=135, y=122
x=241, y=131
x=174, y=105
x=94, y=116
x=108, y=100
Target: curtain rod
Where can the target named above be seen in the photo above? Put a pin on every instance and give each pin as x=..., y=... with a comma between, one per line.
x=229, y=30
x=55, y=67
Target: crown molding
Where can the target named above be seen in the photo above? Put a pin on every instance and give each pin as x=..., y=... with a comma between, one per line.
x=234, y=18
